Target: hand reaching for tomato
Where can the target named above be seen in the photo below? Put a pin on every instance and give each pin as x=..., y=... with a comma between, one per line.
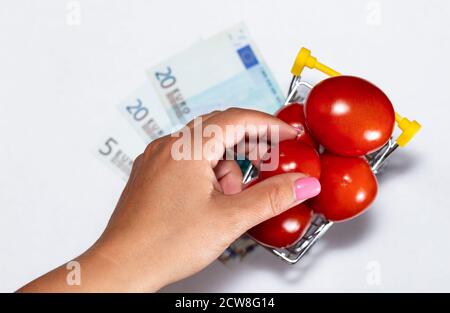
x=177, y=216
x=157, y=209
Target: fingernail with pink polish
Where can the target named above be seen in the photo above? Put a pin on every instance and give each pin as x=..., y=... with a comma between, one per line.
x=300, y=130
x=306, y=188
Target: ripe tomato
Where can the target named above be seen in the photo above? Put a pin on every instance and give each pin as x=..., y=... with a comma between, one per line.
x=349, y=115
x=293, y=156
x=294, y=115
x=348, y=187
x=285, y=229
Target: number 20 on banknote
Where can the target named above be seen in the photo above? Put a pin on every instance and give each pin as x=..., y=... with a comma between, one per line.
x=144, y=112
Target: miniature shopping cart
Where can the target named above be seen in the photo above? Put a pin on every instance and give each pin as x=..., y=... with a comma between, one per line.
x=298, y=92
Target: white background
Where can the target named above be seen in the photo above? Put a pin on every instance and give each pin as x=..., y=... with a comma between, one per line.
x=60, y=83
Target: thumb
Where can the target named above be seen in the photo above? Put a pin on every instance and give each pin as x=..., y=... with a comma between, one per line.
x=273, y=196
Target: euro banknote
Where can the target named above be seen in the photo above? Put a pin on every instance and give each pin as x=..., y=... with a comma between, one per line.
x=145, y=114
x=226, y=70
x=118, y=146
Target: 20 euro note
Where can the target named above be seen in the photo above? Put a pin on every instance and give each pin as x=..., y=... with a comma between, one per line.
x=143, y=111
x=223, y=71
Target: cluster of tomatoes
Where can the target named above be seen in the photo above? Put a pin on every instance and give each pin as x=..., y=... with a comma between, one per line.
x=344, y=118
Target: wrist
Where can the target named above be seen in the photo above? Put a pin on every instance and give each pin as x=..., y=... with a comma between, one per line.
x=123, y=266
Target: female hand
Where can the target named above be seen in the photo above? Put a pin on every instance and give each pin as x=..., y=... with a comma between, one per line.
x=175, y=217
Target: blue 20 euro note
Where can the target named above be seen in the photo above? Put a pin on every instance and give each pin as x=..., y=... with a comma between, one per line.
x=223, y=71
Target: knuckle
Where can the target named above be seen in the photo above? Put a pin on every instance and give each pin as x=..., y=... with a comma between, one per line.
x=159, y=140
x=154, y=145
x=136, y=163
x=138, y=160
x=244, y=114
x=234, y=110
x=212, y=113
x=149, y=150
x=274, y=200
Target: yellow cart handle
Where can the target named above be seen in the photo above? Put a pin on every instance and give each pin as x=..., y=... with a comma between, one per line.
x=305, y=59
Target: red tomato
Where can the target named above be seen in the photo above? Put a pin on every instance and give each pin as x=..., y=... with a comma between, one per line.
x=348, y=187
x=349, y=115
x=285, y=229
x=294, y=115
x=293, y=156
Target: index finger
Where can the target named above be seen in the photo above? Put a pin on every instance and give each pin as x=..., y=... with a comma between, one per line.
x=250, y=119
x=236, y=124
